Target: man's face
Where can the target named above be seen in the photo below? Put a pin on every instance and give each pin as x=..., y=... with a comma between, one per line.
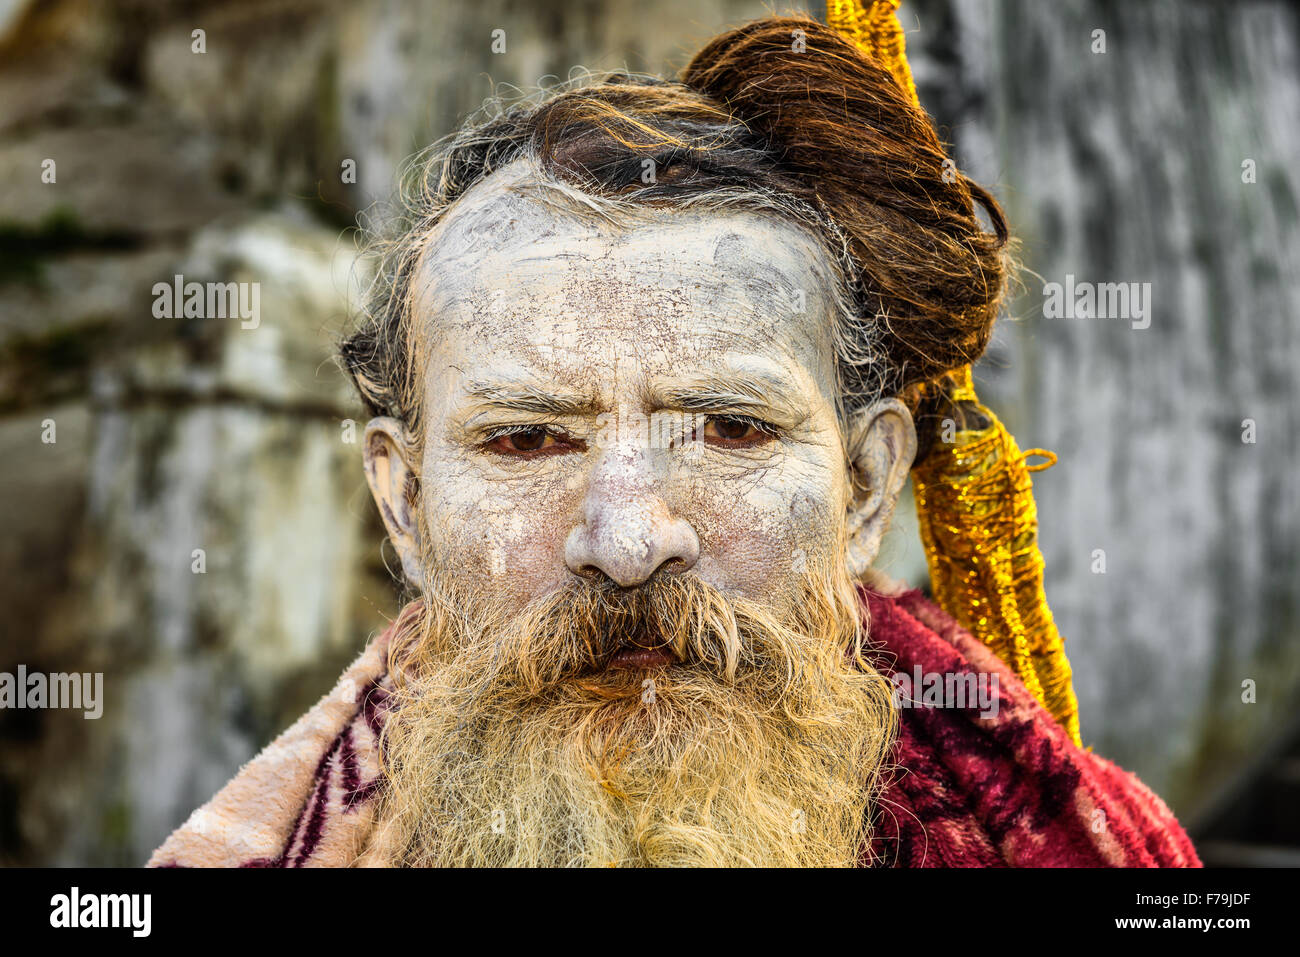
x=633, y=514
x=613, y=401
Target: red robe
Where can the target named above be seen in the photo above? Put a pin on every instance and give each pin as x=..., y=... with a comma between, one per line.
x=1013, y=790
x=968, y=791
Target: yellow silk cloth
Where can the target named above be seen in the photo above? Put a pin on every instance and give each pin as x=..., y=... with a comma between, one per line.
x=874, y=27
x=979, y=525
x=974, y=497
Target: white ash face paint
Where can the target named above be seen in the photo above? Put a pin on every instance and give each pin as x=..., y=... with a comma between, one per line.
x=525, y=301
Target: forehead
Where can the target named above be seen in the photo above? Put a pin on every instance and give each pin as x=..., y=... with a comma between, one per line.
x=523, y=269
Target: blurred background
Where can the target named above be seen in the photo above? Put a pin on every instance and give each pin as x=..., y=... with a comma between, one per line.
x=1167, y=155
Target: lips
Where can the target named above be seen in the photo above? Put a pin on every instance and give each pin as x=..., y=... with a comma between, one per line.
x=642, y=659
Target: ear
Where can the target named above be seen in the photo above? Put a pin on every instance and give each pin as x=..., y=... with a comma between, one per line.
x=881, y=447
x=394, y=482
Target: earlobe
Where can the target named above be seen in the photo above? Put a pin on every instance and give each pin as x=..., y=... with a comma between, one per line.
x=394, y=482
x=881, y=446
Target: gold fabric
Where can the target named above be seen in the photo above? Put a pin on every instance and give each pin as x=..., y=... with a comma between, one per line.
x=873, y=25
x=974, y=497
x=979, y=526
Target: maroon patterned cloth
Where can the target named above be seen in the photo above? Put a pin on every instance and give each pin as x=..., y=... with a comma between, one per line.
x=1006, y=791
x=966, y=787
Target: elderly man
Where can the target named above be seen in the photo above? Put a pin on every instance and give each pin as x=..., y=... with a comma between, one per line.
x=637, y=355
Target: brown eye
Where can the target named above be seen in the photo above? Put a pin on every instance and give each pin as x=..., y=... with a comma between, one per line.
x=529, y=440
x=734, y=431
x=536, y=440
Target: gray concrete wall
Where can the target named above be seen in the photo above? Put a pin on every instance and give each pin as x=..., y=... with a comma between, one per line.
x=175, y=436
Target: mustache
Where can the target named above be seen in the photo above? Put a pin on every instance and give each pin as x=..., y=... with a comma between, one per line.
x=580, y=628
x=471, y=647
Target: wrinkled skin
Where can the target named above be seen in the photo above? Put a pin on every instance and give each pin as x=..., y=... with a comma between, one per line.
x=621, y=356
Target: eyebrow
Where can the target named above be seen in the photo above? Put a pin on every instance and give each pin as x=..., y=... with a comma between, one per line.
x=753, y=391
x=735, y=390
x=522, y=397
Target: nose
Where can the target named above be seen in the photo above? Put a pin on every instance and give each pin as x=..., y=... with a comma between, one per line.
x=628, y=533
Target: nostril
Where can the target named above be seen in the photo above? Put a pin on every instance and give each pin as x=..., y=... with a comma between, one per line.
x=629, y=543
x=674, y=566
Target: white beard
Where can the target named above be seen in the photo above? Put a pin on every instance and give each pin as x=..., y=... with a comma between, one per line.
x=510, y=758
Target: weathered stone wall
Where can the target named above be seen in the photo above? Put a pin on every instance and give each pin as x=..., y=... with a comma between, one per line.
x=1161, y=150
x=174, y=435
x=177, y=435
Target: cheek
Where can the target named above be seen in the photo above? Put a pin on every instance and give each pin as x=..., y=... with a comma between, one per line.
x=505, y=538
x=757, y=539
